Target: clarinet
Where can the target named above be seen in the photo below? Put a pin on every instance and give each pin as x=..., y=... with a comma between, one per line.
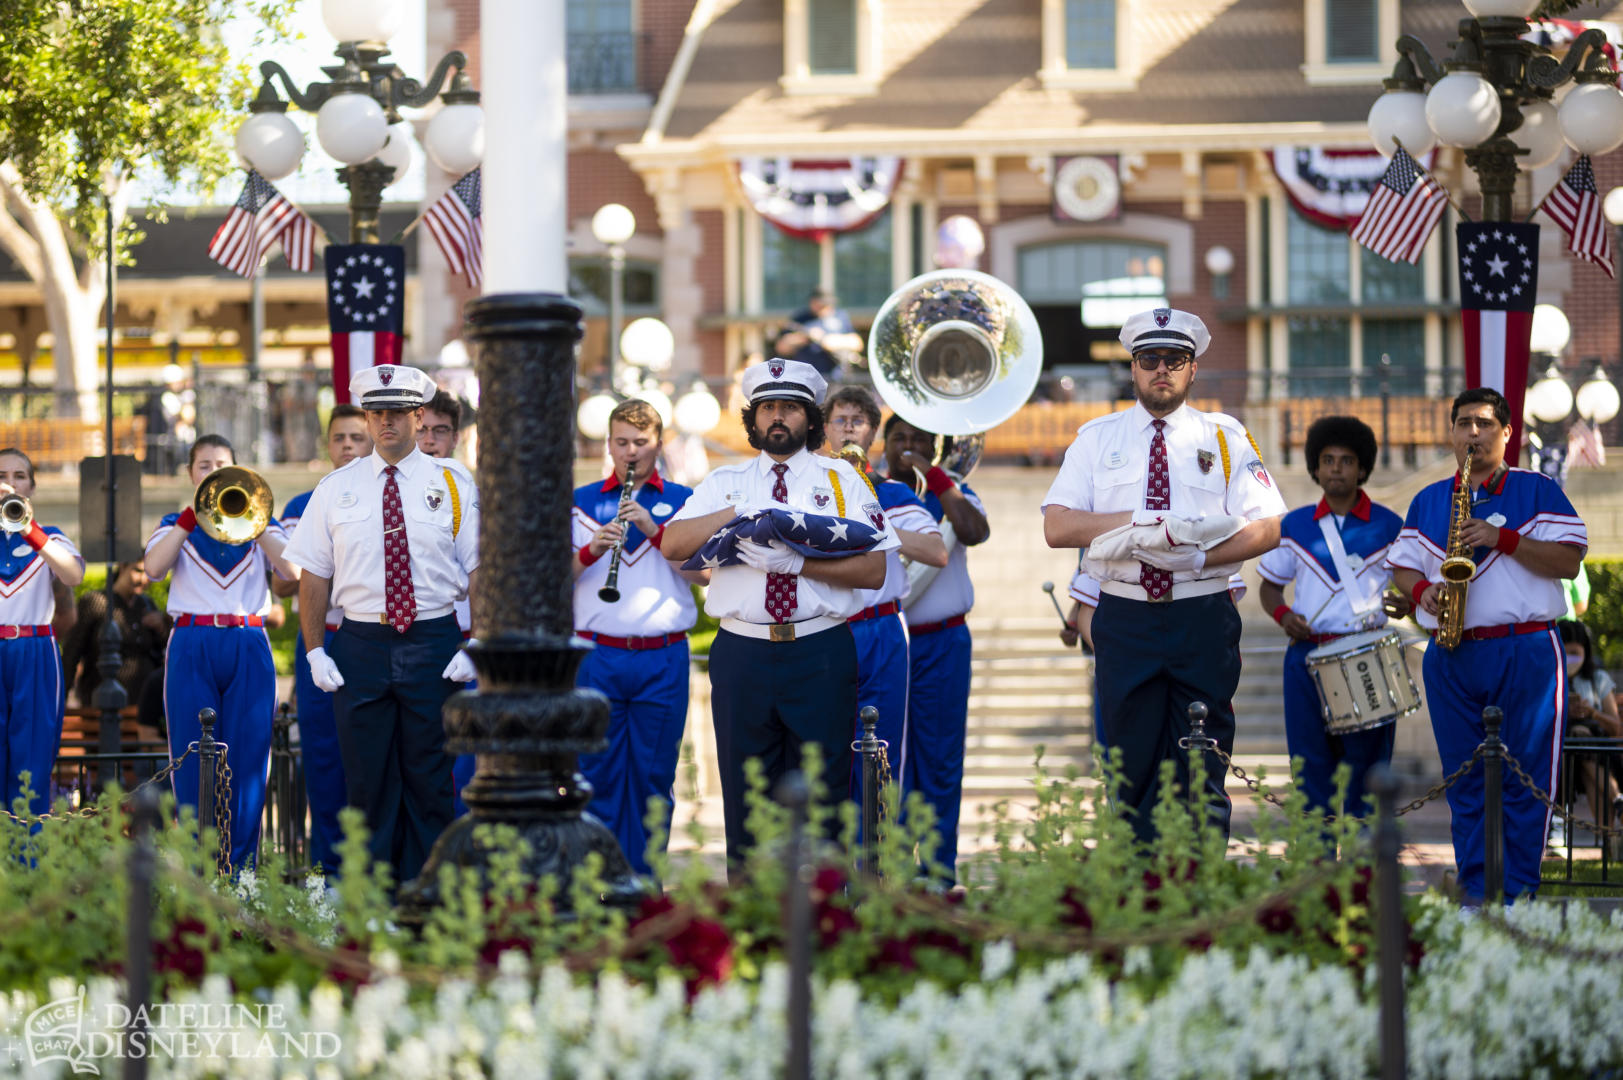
x=609, y=593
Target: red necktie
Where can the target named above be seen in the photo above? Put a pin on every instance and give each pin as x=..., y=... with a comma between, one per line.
x=399, y=600
x=1157, y=496
x=780, y=588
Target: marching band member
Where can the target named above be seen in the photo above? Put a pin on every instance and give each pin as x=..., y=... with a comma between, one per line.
x=324, y=787
x=219, y=657
x=392, y=539
x=938, y=639
x=640, y=660
x=783, y=668
x=1335, y=554
x=1169, y=502
x=1526, y=539
x=33, y=693
x=882, y=647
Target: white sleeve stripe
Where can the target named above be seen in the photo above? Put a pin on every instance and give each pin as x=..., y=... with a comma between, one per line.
x=1266, y=576
x=1312, y=564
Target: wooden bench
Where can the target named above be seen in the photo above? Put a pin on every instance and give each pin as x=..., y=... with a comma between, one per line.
x=1412, y=422
x=81, y=735
x=56, y=443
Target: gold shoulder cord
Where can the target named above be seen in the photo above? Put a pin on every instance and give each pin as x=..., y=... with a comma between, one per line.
x=1223, y=448
x=839, y=496
x=456, y=503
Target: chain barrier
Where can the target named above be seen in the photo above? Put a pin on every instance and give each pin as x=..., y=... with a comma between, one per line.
x=1549, y=804
x=123, y=804
x=222, y=803
x=1436, y=791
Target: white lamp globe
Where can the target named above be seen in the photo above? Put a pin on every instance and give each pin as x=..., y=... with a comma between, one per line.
x=592, y=418
x=455, y=139
x=1463, y=109
x=1219, y=260
x=648, y=343
x=1399, y=116
x=1550, y=399
x=1540, y=135
x=1598, y=398
x=1612, y=206
x=697, y=411
x=351, y=128
x=613, y=224
x=1592, y=118
x=656, y=397
x=1551, y=330
x=396, y=152
x=1489, y=8
x=362, y=20
x=270, y=144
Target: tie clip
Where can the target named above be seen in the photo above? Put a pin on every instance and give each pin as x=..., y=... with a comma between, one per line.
x=397, y=528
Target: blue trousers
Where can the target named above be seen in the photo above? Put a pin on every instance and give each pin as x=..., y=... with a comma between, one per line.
x=1525, y=676
x=230, y=671
x=882, y=678
x=32, y=697
x=1151, y=662
x=323, y=762
x=771, y=698
x=648, y=708
x=1321, y=752
x=937, y=728
x=392, y=735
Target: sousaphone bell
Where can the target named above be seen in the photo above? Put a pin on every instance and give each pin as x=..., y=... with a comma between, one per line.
x=233, y=505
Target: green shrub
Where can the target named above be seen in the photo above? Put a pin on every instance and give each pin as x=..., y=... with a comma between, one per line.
x=1605, y=615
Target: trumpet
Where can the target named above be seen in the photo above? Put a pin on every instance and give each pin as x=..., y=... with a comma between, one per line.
x=609, y=593
x=233, y=505
x=16, y=513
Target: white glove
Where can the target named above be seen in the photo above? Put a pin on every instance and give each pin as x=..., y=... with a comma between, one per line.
x=1206, y=532
x=1174, y=561
x=323, y=672
x=1149, y=517
x=773, y=558
x=460, y=669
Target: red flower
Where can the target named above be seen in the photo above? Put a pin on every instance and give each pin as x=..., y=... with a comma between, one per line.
x=343, y=975
x=828, y=881
x=1073, y=911
x=1414, y=950
x=704, y=950
x=1200, y=942
x=1277, y=918
x=1361, y=883
x=181, y=951
x=491, y=951
x=1152, y=884
x=833, y=923
x=895, y=952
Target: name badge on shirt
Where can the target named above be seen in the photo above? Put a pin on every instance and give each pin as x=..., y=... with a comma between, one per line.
x=346, y=500
x=661, y=509
x=1115, y=460
x=22, y=551
x=735, y=497
x=1497, y=520
x=434, y=498
x=1354, y=562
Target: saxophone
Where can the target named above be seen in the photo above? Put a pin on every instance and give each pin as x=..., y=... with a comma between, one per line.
x=1458, y=567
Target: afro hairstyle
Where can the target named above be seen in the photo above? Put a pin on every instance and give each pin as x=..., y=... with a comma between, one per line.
x=1347, y=431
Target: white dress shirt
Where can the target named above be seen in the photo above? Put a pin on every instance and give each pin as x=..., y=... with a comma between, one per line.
x=816, y=485
x=1085, y=590
x=1106, y=471
x=341, y=535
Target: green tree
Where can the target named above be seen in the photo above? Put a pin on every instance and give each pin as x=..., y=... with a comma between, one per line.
x=91, y=92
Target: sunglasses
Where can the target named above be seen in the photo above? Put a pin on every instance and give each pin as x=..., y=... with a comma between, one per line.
x=1152, y=361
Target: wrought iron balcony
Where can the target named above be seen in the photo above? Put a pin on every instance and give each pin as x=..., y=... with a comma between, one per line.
x=603, y=62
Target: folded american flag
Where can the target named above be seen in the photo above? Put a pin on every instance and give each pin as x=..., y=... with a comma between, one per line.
x=813, y=535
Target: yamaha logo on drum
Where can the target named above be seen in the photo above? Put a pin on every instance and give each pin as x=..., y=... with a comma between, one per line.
x=1372, y=696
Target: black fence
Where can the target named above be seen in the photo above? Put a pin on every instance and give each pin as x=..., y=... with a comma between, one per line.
x=1590, y=773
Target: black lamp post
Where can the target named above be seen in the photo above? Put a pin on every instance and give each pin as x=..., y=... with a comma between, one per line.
x=110, y=697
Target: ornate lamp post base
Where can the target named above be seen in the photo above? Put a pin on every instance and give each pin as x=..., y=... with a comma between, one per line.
x=527, y=722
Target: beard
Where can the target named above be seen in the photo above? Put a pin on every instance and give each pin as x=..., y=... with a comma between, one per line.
x=1164, y=399
x=780, y=440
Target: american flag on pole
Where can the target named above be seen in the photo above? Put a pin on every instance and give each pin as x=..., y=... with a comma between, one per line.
x=261, y=216
x=365, y=308
x=456, y=226
x=1498, y=285
x=1584, y=446
x=1402, y=212
x=1574, y=204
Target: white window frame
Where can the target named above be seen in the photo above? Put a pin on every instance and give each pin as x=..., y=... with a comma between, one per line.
x=1318, y=69
x=798, y=78
x=1055, y=73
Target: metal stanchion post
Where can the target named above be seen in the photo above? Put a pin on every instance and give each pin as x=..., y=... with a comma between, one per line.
x=1493, y=773
x=1198, y=743
x=138, y=940
x=869, y=747
x=1390, y=929
x=794, y=793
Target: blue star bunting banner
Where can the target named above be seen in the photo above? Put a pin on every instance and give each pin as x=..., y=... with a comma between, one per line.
x=813, y=535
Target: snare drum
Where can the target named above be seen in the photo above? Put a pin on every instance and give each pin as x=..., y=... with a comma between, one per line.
x=1363, y=681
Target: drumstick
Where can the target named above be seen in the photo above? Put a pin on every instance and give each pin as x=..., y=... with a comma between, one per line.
x=1048, y=587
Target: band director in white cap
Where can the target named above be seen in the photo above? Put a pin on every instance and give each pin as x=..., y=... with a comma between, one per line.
x=1169, y=501
x=392, y=539
x=783, y=668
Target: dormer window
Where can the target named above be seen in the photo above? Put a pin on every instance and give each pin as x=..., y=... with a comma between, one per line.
x=1349, y=42
x=1087, y=45
x=831, y=46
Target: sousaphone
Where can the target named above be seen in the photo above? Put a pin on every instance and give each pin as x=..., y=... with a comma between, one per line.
x=954, y=352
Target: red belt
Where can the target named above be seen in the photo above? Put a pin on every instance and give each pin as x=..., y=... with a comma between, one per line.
x=921, y=629
x=222, y=621
x=632, y=642
x=9, y=632
x=878, y=611
x=1323, y=639
x=334, y=627
x=1487, y=633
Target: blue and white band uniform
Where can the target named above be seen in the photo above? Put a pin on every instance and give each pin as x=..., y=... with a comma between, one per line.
x=227, y=669
x=1521, y=670
x=904, y=510
x=655, y=599
x=346, y=541
x=817, y=485
x=951, y=592
x=32, y=690
x=1304, y=557
x=1332, y=605
x=647, y=686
